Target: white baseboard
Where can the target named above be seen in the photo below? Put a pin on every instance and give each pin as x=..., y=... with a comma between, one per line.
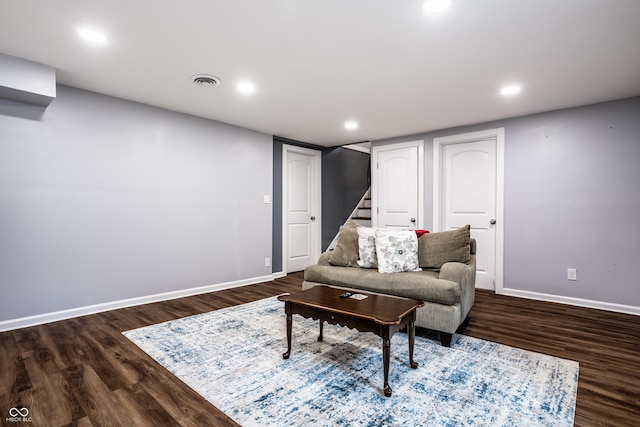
x=278, y=274
x=600, y=305
x=39, y=319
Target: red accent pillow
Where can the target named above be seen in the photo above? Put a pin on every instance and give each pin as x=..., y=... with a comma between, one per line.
x=419, y=233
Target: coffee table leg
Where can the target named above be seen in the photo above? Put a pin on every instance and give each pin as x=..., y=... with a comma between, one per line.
x=386, y=355
x=287, y=310
x=321, y=326
x=412, y=338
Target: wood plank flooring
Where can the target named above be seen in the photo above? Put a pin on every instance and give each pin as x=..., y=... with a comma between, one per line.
x=84, y=372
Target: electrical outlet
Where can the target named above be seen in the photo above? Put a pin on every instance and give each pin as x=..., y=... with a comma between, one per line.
x=267, y=262
x=572, y=274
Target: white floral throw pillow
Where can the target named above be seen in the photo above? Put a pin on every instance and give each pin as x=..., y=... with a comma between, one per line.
x=367, y=247
x=397, y=251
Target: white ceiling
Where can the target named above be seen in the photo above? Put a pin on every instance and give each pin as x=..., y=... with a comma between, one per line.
x=317, y=64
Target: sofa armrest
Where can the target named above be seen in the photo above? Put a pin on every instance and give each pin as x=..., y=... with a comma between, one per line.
x=454, y=271
x=465, y=275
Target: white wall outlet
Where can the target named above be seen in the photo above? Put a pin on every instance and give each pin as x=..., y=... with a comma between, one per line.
x=267, y=262
x=572, y=274
x=267, y=199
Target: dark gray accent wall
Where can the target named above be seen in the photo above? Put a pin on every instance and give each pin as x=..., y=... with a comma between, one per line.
x=276, y=249
x=345, y=179
x=572, y=199
x=103, y=200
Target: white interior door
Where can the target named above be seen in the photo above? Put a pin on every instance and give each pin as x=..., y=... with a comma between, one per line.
x=397, y=185
x=469, y=195
x=301, y=200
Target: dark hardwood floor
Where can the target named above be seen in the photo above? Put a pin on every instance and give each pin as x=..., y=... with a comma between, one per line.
x=84, y=372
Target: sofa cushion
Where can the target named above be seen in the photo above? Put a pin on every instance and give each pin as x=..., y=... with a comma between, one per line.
x=397, y=251
x=351, y=224
x=424, y=285
x=434, y=249
x=346, y=254
x=367, y=247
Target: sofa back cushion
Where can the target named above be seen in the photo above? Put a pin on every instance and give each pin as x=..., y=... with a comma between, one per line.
x=346, y=254
x=435, y=249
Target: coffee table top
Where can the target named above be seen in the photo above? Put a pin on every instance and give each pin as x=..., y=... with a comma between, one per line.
x=382, y=309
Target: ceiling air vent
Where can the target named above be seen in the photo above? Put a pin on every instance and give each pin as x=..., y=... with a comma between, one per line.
x=205, y=80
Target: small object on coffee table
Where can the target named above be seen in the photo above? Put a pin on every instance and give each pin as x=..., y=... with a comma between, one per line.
x=383, y=315
x=346, y=295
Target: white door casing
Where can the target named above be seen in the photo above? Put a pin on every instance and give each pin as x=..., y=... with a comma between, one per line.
x=301, y=228
x=397, y=185
x=468, y=189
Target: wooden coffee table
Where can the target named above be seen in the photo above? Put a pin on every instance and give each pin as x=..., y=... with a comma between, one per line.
x=383, y=315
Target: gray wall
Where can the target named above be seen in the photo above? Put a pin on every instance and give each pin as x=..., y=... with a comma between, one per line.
x=27, y=81
x=344, y=182
x=103, y=199
x=572, y=199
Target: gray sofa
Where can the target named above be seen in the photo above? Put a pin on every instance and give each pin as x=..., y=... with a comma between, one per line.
x=446, y=284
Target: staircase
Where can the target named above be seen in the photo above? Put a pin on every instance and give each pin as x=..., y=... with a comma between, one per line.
x=361, y=214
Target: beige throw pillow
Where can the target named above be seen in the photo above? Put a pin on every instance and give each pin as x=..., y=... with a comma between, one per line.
x=434, y=249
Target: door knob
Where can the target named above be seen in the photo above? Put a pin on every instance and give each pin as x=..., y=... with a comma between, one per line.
x=313, y=218
x=492, y=222
x=412, y=220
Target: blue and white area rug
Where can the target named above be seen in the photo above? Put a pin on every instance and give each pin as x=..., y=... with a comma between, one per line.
x=233, y=358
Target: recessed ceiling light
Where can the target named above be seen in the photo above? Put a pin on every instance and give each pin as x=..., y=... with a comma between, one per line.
x=93, y=36
x=246, y=87
x=205, y=80
x=351, y=125
x=435, y=6
x=511, y=90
